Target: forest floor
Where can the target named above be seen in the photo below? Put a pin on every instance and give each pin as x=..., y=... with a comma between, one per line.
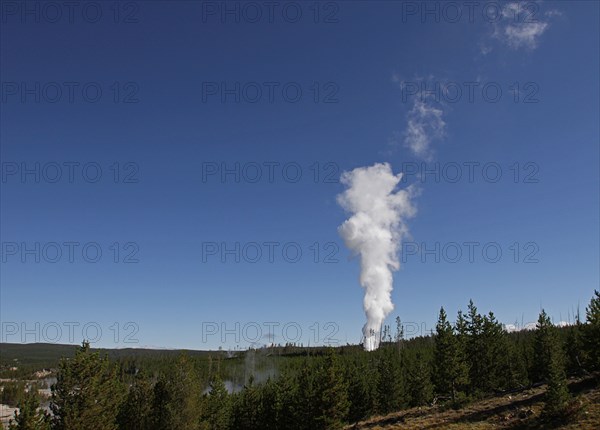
x=520, y=410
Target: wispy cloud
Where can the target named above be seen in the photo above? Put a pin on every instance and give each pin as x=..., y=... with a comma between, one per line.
x=521, y=35
x=520, y=26
x=425, y=124
x=424, y=121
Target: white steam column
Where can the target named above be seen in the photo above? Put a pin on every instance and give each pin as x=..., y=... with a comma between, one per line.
x=374, y=232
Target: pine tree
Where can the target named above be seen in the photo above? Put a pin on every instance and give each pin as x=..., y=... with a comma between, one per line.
x=269, y=407
x=246, y=407
x=557, y=395
x=462, y=338
x=286, y=401
x=548, y=343
x=495, y=349
x=419, y=381
x=136, y=410
x=575, y=348
x=514, y=366
x=161, y=398
x=333, y=390
x=306, y=397
x=29, y=417
x=475, y=350
x=483, y=342
x=359, y=393
x=592, y=331
x=399, y=336
x=449, y=372
x=388, y=395
x=543, y=343
x=177, y=397
x=87, y=394
x=461, y=327
x=217, y=412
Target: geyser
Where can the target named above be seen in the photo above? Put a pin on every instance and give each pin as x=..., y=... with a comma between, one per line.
x=375, y=232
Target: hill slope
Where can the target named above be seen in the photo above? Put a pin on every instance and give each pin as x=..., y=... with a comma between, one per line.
x=48, y=354
x=515, y=411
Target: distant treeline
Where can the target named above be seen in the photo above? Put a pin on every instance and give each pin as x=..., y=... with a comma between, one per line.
x=319, y=388
x=29, y=357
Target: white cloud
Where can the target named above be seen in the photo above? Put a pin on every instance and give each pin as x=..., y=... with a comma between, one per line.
x=522, y=35
x=425, y=124
x=521, y=26
x=425, y=120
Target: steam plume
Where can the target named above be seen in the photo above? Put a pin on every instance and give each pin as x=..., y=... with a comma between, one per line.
x=374, y=231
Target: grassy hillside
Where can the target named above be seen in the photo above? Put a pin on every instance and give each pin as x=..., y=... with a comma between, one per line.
x=521, y=410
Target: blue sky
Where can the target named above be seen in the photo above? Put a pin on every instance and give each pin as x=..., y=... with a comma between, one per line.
x=167, y=120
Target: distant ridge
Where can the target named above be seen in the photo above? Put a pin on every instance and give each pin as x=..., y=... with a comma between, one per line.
x=50, y=353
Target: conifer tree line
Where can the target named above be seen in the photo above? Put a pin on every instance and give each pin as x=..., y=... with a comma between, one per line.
x=325, y=388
